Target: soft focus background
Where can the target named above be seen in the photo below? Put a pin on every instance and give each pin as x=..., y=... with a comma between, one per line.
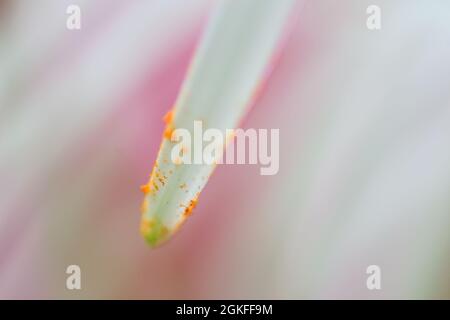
x=364, y=119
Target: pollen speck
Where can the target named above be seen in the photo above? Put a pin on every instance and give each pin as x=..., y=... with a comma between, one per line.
x=168, y=117
x=168, y=132
x=145, y=188
x=169, y=127
x=188, y=210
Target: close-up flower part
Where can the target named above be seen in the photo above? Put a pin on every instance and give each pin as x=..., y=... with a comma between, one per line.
x=166, y=206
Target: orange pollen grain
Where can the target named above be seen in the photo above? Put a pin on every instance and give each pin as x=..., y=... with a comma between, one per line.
x=168, y=132
x=188, y=210
x=168, y=117
x=145, y=188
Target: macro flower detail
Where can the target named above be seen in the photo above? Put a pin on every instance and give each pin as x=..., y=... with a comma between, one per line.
x=226, y=69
